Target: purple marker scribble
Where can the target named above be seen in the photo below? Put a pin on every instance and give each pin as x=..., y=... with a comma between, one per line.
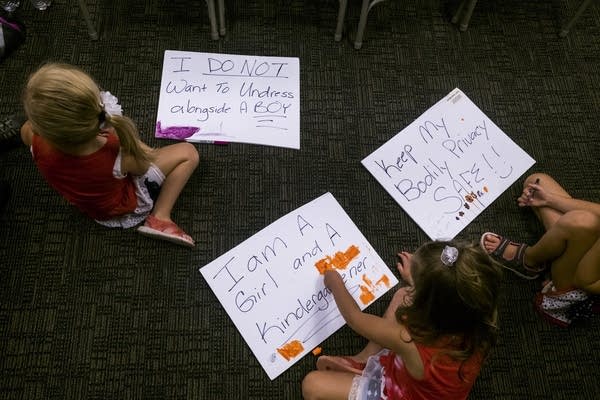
x=175, y=132
x=13, y=25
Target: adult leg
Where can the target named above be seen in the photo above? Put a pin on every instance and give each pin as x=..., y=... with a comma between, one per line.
x=327, y=385
x=177, y=162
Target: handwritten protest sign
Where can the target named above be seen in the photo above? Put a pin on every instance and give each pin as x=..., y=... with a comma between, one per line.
x=448, y=165
x=271, y=285
x=208, y=97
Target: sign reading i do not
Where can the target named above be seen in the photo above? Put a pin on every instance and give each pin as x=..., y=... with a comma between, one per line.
x=209, y=97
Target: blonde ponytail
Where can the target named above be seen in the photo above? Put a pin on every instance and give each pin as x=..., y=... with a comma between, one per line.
x=128, y=135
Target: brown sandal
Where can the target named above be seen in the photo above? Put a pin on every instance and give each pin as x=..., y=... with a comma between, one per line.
x=517, y=263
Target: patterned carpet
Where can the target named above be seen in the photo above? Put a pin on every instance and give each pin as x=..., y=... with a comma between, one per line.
x=92, y=313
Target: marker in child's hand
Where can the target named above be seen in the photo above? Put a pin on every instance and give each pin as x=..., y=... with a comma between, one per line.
x=532, y=192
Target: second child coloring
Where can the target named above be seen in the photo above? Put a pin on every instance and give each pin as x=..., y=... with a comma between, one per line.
x=431, y=341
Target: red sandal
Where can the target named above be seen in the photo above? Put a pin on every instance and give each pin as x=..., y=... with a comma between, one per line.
x=165, y=230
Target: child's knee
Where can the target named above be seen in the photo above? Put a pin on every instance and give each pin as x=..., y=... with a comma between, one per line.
x=191, y=153
x=310, y=385
x=582, y=221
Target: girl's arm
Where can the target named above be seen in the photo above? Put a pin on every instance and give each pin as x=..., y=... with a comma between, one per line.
x=131, y=165
x=388, y=333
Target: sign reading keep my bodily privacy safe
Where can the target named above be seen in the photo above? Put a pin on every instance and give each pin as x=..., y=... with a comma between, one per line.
x=271, y=285
x=209, y=97
x=448, y=165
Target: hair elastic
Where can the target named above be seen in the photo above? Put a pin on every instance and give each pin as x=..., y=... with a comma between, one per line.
x=102, y=117
x=449, y=256
x=110, y=104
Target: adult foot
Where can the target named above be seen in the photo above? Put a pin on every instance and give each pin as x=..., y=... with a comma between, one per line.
x=511, y=255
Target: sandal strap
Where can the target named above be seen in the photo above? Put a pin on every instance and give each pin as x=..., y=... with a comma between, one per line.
x=517, y=263
x=521, y=259
x=520, y=255
x=499, y=251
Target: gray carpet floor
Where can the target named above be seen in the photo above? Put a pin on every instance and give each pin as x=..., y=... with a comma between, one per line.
x=93, y=313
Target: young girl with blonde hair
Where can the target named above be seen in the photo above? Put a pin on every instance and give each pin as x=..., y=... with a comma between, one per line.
x=93, y=156
x=433, y=337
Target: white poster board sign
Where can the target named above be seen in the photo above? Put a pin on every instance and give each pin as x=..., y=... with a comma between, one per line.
x=448, y=165
x=271, y=285
x=209, y=97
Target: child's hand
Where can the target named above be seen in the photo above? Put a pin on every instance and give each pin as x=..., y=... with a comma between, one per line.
x=332, y=279
x=402, y=298
x=404, y=265
x=534, y=195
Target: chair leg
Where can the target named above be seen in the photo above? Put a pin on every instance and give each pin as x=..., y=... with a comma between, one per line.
x=340, y=20
x=88, y=20
x=565, y=30
x=362, y=23
x=222, y=27
x=458, y=12
x=212, y=17
x=466, y=17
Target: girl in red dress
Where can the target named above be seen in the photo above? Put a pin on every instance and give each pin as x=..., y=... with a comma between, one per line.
x=431, y=341
x=92, y=155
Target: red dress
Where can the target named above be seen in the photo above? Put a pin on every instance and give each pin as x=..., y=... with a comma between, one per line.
x=87, y=182
x=441, y=378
